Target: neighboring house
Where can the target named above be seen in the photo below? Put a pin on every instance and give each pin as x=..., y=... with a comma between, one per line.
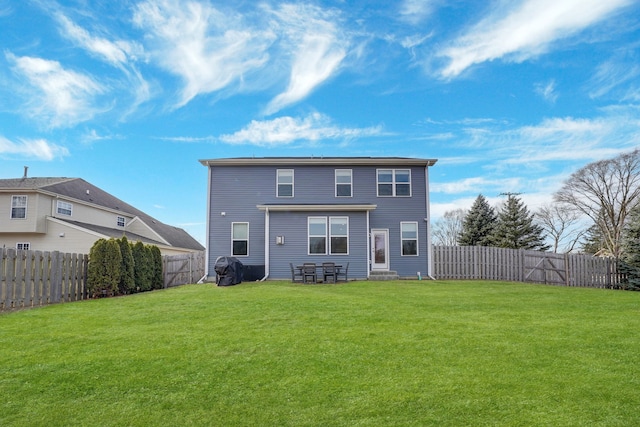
x=372, y=213
x=69, y=215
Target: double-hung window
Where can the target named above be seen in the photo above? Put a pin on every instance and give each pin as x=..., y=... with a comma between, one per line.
x=240, y=239
x=23, y=246
x=409, y=238
x=394, y=182
x=121, y=221
x=343, y=183
x=284, y=183
x=336, y=235
x=64, y=208
x=18, y=207
x=317, y=232
x=339, y=231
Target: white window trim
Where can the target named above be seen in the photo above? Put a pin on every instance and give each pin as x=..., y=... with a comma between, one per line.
x=26, y=205
x=402, y=239
x=393, y=182
x=326, y=232
x=293, y=187
x=59, y=206
x=342, y=183
x=124, y=221
x=238, y=240
x=331, y=235
x=21, y=246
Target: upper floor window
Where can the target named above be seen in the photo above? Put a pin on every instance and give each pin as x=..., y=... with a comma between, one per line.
x=121, y=221
x=343, y=183
x=18, y=207
x=394, y=183
x=64, y=208
x=240, y=239
x=284, y=183
x=409, y=237
x=23, y=246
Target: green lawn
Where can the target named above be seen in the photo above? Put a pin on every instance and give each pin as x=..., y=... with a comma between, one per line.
x=404, y=353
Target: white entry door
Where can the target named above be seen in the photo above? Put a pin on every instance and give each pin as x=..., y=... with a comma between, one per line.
x=380, y=249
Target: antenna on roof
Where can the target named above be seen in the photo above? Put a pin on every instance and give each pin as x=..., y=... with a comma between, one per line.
x=26, y=168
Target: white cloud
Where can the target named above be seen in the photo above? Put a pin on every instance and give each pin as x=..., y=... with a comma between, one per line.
x=39, y=149
x=207, y=49
x=57, y=96
x=547, y=91
x=525, y=30
x=286, y=130
x=318, y=48
x=472, y=184
x=414, y=11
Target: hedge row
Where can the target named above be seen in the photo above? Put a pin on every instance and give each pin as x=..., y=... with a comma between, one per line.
x=118, y=267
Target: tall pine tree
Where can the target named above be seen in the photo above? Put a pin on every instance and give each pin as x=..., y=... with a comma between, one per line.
x=629, y=262
x=478, y=224
x=516, y=229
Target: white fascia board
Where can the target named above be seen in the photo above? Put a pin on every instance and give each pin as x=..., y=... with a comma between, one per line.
x=160, y=238
x=319, y=161
x=307, y=208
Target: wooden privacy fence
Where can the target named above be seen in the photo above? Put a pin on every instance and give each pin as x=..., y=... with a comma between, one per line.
x=519, y=265
x=183, y=269
x=34, y=278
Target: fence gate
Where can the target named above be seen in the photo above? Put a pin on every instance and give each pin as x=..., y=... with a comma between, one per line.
x=183, y=269
x=544, y=267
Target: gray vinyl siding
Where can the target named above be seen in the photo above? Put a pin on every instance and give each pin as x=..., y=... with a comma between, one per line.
x=236, y=190
x=293, y=226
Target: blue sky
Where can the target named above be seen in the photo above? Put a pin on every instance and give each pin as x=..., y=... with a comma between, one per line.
x=510, y=96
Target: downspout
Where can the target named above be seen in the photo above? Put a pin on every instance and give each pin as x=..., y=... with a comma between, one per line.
x=368, y=234
x=428, y=221
x=266, y=245
x=207, y=245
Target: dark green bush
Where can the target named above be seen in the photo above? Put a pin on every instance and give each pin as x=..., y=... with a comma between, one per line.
x=157, y=281
x=142, y=267
x=104, y=268
x=127, y=279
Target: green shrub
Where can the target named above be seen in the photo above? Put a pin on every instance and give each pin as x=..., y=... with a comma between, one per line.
x=142, y=267
x=157, y=281
x=127, y=279
x=104, y=268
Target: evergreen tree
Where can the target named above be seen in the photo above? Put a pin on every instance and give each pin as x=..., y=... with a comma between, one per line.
x=593, y=242
x=516, y=229
x=142, y=267
x=127, y=279
x=157, y=279
x=478, y=224
x=104, y=268
x=629, y=262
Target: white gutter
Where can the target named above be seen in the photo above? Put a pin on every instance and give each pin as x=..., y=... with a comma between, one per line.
x=266, y=244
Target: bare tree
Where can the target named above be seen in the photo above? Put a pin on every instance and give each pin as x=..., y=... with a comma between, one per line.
x=605, y=191
x=562, y=225
x=447, y=228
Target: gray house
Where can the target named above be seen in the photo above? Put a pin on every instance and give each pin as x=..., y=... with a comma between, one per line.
x=372, y=213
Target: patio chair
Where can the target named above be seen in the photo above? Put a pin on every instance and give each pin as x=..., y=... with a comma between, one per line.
x=343, y=273
x=296, y=274
x=309, y=274
x=329, y=271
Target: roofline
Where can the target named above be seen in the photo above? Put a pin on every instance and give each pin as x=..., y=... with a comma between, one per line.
x=307, y=208
x=303, y=161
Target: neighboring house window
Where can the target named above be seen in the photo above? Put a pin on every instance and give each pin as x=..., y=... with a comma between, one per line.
x=343, y=183
x=339, y=233
x=394, y=183
x=64, y=208
x=23, y=246
x=409, y=237
x=285, y=183
x=121, y=221
x=18, y=207
x=240, y=238
x=317, y=232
